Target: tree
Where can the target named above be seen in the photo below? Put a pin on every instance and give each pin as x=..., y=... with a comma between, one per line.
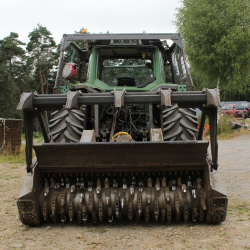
x=11, y=64
x=41, y=48
x=216, y=36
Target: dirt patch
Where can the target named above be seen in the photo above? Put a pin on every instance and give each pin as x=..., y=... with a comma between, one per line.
x=234, y=233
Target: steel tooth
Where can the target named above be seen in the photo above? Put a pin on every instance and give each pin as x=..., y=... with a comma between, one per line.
x=110, y=215
x=132, y=190
x=90, y=186
x=184, y=188
x=139, y=203
x=198, y=183
x=177, y=207
x=45, y=210
x=71, y=210
x=203, y=202
x=62, y=183
x=133, y=181
x=169, y=213
x=149, y=182
x=100, y=211
x=62, y=211
x=164, y=182
x=98, y=187
x=156, y=210
x=82, y=183
x=52, y=183
x=106, y=183
x=115, y=185
x=46, y=188
x=130, y=211
x=173, y=185
x=107, y=197
x=91, y=202
x=141, y=186
x=78, y=184
x=157, y=185
x=67, y=183
x=189, y=182
x=186, y=213
x=84, y=214
x=148, y=195
x=81, y=198
x=167, y=194
x=53, y=209
x=179, y=182
x=72, y=189
x=57, y=185
x=117, y=205
x=124, y=184
x=122, y=200
x=194, y=193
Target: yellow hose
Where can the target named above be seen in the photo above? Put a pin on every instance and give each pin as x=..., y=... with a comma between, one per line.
x=122, y=133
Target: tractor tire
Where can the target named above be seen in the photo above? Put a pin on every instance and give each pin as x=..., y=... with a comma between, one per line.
x=67, y=125
x=179, y=124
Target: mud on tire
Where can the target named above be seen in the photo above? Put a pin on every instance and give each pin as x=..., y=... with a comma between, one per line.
x=67, y=125
x=179, y=124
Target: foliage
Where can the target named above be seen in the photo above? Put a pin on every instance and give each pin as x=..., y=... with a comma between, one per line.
x=11, y=63
x=216, y=36
x=41, y=48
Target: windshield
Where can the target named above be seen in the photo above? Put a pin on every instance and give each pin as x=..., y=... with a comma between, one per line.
x=238, y=107
x=126, y=72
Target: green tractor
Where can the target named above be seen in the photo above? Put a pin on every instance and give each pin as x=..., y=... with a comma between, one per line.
x=122, y=139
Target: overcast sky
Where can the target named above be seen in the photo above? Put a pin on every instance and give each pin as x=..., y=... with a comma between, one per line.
x=64, y=17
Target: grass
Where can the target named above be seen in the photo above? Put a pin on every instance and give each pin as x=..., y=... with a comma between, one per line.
x=240, y=209
x=7, y=156
x=224, y=130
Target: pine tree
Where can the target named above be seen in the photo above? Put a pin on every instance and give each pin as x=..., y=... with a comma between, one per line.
x=11, y=62
x=41, y=48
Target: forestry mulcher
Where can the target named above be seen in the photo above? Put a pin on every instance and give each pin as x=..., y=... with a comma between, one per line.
x=121, y=136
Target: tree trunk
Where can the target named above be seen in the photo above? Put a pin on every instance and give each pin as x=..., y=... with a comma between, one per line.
x=41, y=78
x=47, y=83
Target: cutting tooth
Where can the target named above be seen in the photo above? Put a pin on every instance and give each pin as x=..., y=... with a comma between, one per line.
x=124, y=185
x=98, y=186
x=106, y=183
x=141, y=186
x=157, y=185
x=198, y=183
x=133, y=181
x=90, y=186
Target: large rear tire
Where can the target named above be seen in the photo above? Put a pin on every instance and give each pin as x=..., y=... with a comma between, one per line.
x=67, y=125
x=179, y=124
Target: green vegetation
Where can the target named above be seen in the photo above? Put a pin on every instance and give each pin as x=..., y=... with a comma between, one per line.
x=216, y=36
x=11, y=158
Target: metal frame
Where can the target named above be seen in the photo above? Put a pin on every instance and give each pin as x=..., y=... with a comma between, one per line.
x=68, y=39
x=33, y=105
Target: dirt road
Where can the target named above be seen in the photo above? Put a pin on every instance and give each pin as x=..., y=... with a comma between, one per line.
x=234, y=159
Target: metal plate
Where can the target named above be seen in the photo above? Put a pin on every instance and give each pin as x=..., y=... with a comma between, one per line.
x=122, y=157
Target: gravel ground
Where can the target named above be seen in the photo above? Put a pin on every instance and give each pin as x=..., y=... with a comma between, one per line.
x=234, y=233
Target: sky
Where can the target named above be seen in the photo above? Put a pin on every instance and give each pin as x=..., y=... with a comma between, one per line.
x=64, y=17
